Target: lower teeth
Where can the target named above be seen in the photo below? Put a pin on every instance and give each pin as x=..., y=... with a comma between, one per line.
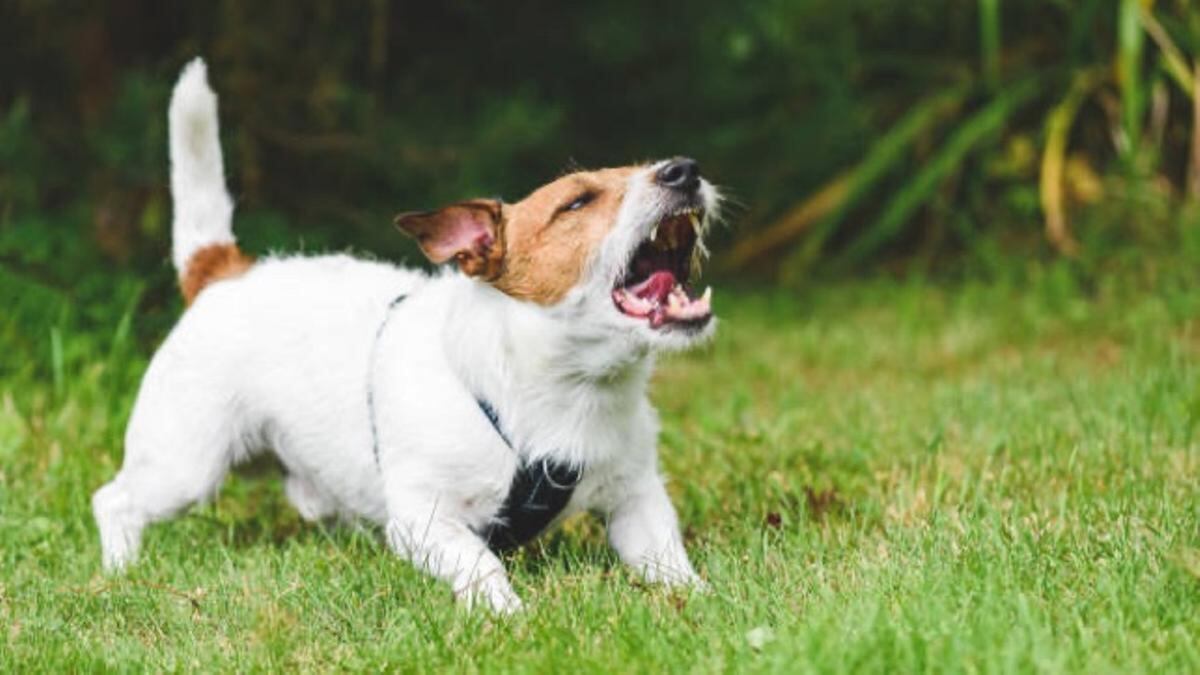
x=678, y=306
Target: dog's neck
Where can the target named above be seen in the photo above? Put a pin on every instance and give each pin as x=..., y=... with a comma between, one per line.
x=546, y=375
x=536, y=345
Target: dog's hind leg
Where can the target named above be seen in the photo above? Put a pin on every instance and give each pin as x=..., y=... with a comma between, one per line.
x=178, y=450
x=148, y=492
x=312, y=505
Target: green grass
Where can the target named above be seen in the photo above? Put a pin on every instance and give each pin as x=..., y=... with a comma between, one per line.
x=880, y=476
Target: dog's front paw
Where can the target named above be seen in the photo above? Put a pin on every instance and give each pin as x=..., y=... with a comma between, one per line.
x=686, y=579
x=698, y=585
x=493, y=593
x=676, y=573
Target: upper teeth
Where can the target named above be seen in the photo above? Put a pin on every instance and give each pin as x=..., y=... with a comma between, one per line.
x=693, y=217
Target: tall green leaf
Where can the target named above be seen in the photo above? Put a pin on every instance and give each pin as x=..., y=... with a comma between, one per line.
x=989, y=42
x=976, y=129
x=1129, y=66
x=885, y=155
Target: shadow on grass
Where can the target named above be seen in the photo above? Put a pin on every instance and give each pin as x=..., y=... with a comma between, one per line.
x=251, y=512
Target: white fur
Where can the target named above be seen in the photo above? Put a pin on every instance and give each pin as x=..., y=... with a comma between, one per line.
x=203, y=209
x=282, y=359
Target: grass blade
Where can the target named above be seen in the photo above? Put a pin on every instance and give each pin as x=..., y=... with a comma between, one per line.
x=57, y=366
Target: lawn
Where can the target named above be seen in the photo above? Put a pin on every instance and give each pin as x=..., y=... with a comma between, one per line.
x=880, y=476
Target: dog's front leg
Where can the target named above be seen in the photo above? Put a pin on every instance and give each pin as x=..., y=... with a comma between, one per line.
x=644, y=530
x=446, y=548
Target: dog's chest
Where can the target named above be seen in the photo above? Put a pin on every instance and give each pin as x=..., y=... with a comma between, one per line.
x=556, y=472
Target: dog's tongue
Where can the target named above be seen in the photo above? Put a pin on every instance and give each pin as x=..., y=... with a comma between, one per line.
x=655, y=288
x=662, y=301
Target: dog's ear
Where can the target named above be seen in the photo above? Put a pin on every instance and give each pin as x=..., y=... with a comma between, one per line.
x=470, y=232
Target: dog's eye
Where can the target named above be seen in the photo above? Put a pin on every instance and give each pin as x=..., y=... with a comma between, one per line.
x=578, y=202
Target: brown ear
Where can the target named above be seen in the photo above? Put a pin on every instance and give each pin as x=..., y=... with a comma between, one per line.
x=468, y=231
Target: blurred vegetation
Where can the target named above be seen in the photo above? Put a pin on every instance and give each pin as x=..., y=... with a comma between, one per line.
x=941, y=137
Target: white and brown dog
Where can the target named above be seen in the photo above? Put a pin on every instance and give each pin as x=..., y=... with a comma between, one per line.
x=464, y=412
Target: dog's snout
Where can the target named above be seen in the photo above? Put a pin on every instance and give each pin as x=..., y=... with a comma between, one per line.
x=681, y=173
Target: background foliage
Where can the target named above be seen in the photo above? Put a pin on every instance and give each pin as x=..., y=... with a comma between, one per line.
x=940, y=135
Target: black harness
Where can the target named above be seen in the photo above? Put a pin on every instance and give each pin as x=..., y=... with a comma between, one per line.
x=539, y=490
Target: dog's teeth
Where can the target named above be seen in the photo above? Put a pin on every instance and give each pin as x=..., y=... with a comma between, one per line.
x=654, y=233
x=707, y=297
x=695, y=221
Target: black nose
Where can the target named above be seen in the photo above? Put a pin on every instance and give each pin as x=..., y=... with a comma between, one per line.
x=681, y=173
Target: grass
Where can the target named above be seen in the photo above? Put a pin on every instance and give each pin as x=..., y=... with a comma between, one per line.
x=877, y=476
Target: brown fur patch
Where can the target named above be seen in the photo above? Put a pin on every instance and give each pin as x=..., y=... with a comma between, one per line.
x=469, y=232
x=547, y=248
x=210, y=265
x=533, y=250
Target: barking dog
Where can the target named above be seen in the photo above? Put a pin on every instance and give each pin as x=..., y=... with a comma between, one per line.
x=463, y=412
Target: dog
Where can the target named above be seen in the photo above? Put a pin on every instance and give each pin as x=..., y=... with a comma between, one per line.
x=464, y=411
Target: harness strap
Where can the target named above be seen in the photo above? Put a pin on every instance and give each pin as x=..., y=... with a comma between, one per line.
x=371, y=375
x=538, y=493
x=539, y=490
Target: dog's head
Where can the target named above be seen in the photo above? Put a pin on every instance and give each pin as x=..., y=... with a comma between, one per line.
x=612, y=250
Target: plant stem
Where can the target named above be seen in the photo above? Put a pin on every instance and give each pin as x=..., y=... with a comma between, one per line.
x=1129, y=64
x=1194, y=178
x=989, y=42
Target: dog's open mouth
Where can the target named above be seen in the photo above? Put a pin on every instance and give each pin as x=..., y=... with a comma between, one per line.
x=656, y=286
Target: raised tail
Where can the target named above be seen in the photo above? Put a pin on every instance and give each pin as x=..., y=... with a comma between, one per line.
x=203, y=247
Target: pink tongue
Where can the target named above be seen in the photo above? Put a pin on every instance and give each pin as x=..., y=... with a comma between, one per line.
x=657, y=287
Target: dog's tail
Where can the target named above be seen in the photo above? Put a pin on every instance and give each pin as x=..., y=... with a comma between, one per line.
x=203, y=246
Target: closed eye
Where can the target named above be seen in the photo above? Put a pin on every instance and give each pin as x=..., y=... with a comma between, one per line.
x=578, y=202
